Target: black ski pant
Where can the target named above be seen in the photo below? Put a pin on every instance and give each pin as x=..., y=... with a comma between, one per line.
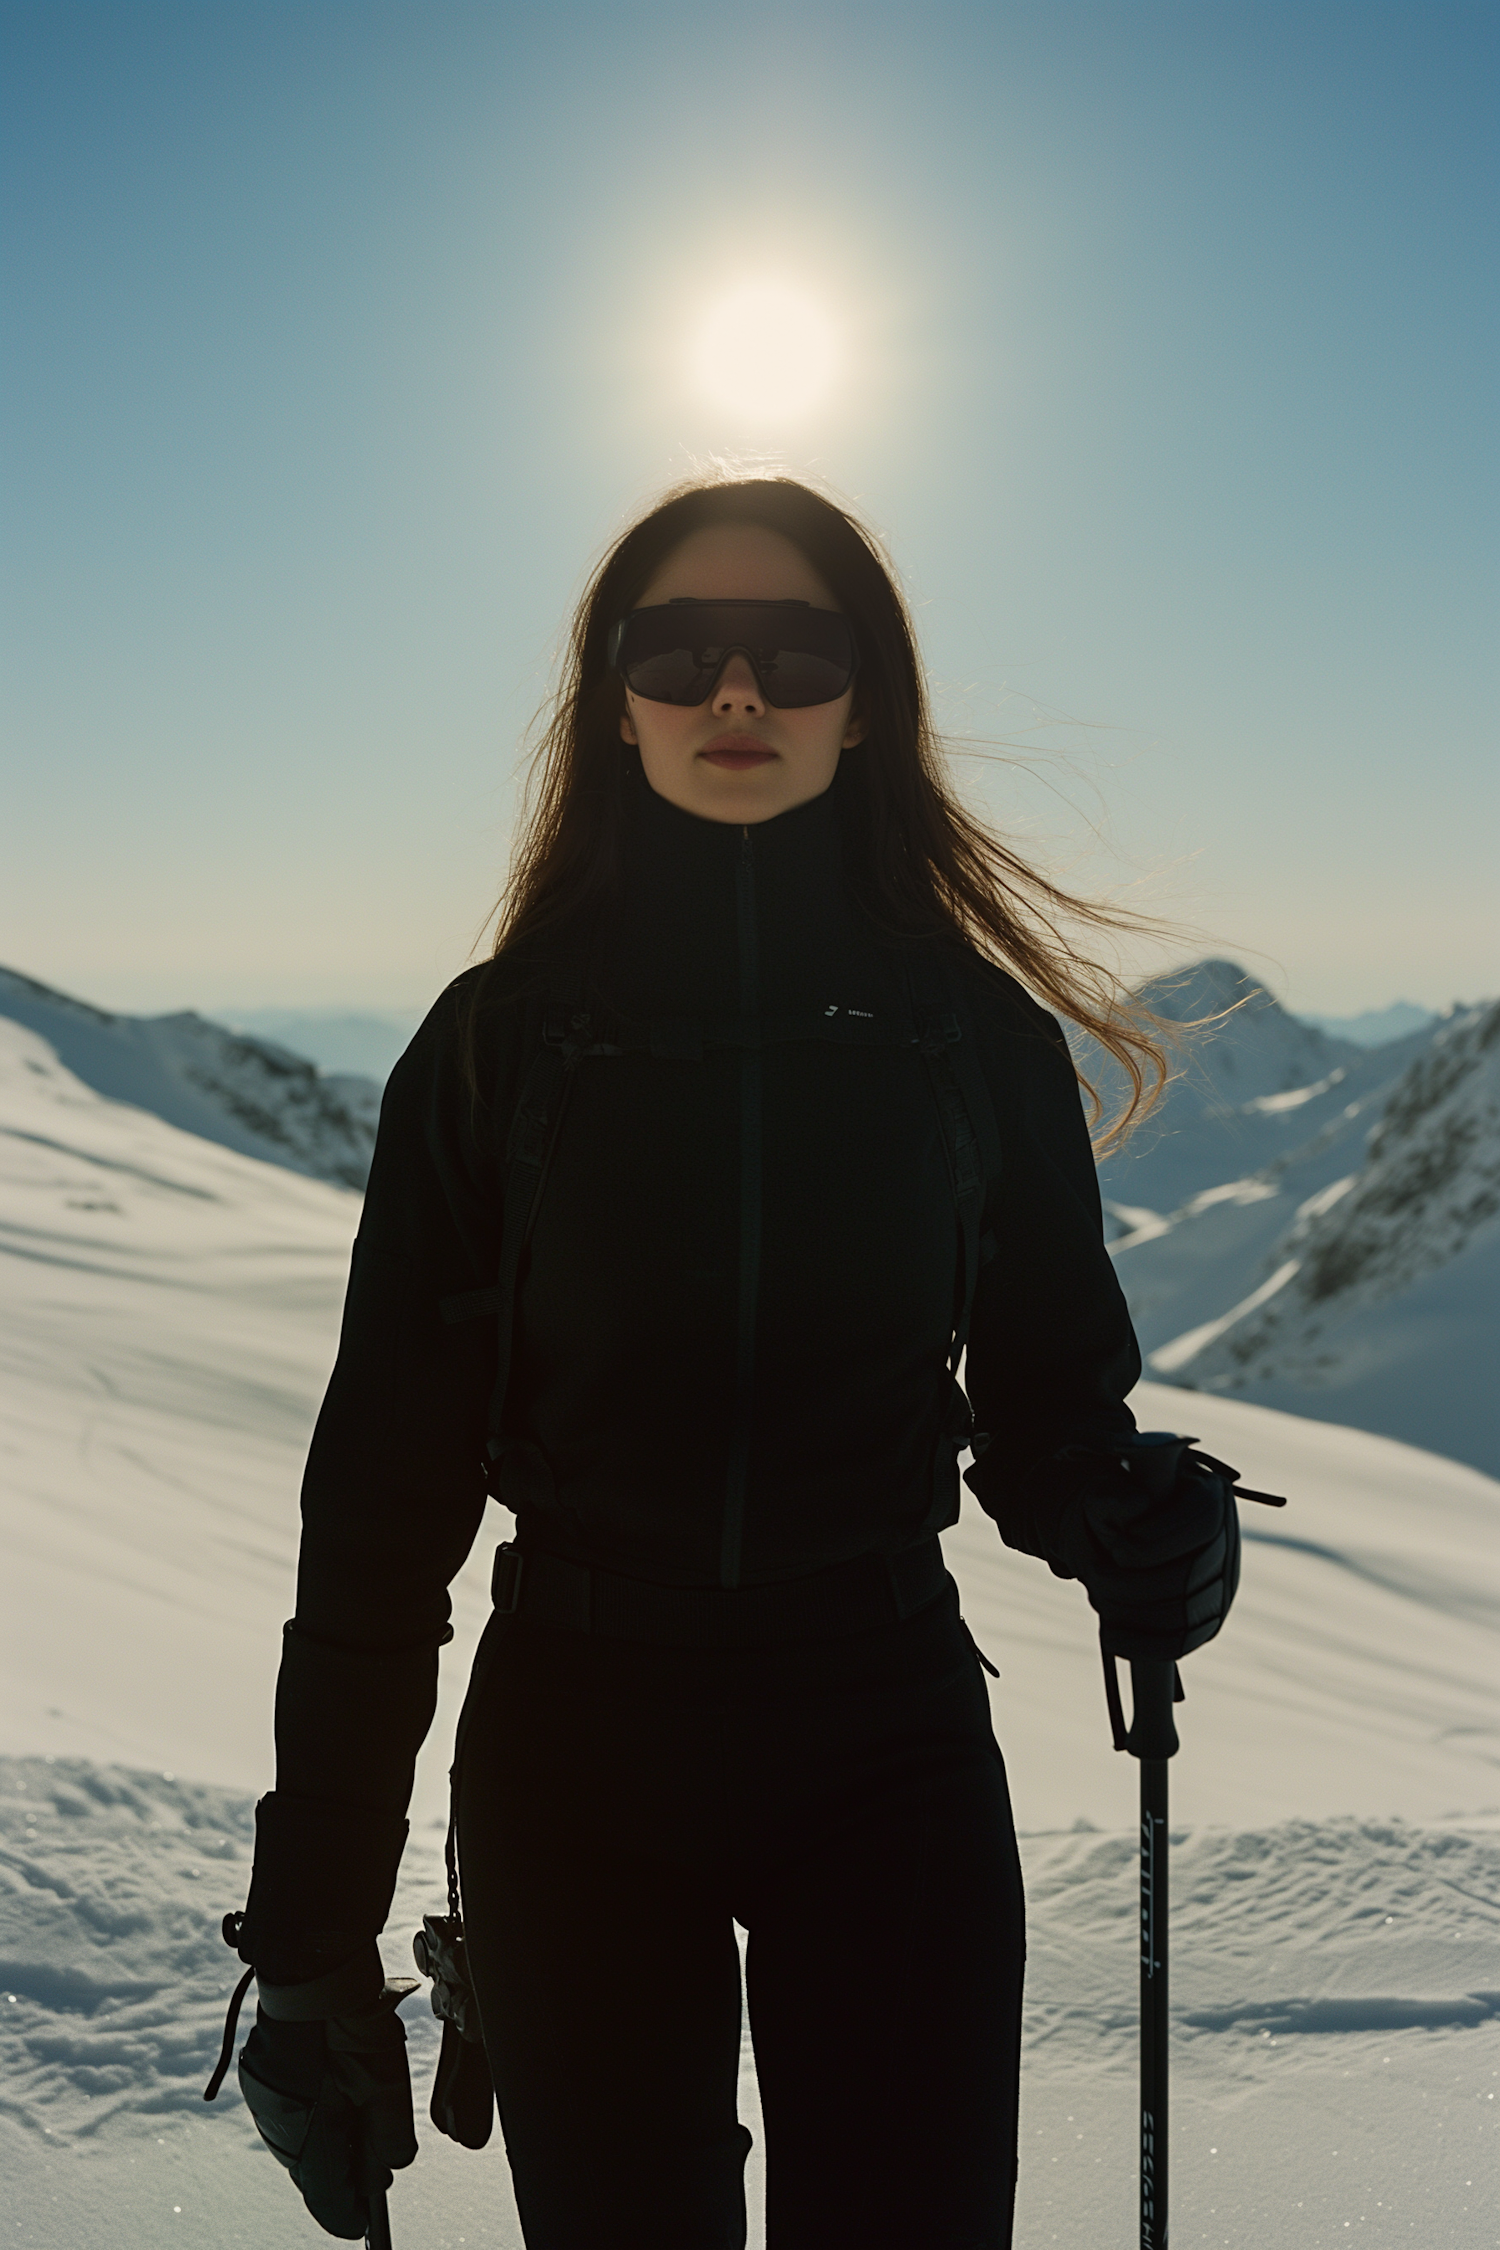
x=621, y=1806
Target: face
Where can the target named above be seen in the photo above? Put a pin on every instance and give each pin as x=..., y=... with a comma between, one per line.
x=736, y=757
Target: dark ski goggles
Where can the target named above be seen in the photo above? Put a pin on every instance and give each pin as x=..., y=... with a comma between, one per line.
x=675, y=653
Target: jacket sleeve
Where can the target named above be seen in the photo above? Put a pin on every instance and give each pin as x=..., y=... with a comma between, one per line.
x=392, y=1500
x=1052, y=1355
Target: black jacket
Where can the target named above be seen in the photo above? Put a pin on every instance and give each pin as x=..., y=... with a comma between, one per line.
x=735, y=1310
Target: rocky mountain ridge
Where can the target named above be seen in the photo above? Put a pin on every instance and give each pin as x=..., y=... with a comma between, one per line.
x=247, y=1094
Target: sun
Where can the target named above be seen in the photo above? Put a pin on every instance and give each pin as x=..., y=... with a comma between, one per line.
x=765, y=350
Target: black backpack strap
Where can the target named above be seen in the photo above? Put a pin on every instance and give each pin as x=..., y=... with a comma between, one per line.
x=971, y=1140
x=528, y=1155
x=963, y=1060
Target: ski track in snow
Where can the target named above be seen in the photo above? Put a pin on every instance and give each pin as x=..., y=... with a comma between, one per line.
x=167, y=1319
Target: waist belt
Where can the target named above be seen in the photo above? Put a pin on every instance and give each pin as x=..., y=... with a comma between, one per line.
x=852, y=1597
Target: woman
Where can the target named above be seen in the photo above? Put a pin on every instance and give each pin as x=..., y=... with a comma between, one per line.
x=748, y=1127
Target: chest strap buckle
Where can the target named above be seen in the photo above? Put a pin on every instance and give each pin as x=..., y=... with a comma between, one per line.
x=505, y=1578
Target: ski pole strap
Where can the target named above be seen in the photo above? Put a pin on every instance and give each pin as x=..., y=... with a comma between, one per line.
x=450, y=1853
x=231, y=2024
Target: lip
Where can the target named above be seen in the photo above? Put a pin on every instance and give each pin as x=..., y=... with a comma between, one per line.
x=737, y=753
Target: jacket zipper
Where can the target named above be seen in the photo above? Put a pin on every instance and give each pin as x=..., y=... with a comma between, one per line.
x=750, y=1215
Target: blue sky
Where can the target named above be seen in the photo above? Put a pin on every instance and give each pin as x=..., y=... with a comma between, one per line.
x=338, y=338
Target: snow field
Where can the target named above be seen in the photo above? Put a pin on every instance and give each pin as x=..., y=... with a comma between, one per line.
x=1334, y=2060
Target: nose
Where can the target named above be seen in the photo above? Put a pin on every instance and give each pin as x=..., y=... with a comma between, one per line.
x=737, y=689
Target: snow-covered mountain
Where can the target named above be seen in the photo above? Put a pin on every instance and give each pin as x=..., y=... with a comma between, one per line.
x=246, y=1094
x=336, y=1039
x=1328, y=1242
x=1252, y=1086
x=1382, y=1303
x=1373, y=1027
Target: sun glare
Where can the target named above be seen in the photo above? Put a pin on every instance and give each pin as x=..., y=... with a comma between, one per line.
x=765, y=350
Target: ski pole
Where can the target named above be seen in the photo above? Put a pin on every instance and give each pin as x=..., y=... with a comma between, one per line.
x=378, y=2232
x=1152, y=1740
x=1155, y=1464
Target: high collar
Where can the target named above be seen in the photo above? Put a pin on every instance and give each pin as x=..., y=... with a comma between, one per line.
x=679, y=840
x=676, y=942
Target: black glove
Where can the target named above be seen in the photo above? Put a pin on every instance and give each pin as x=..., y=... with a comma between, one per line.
x=1152, y=1529
x=324, y=2076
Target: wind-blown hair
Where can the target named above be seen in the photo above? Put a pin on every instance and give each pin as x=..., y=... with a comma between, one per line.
x=923, y=863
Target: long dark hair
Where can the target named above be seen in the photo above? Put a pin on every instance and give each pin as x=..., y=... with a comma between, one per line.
x=924, y=863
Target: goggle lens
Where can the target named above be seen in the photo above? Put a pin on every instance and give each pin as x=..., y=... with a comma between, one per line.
x=674, y=653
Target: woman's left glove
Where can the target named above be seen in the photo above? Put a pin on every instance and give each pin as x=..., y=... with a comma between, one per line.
x=1152, y=1530
x=324, y=2076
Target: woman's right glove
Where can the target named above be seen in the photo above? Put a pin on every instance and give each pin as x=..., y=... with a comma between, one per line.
x=324, y=2076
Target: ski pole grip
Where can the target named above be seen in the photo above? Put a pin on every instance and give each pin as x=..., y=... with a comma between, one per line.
x=1152, y=1691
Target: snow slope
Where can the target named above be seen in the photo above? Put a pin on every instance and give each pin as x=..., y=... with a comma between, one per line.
x=168, y=1316
x=246, y=1094
x=1329, y=1244
x=168, y=1312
